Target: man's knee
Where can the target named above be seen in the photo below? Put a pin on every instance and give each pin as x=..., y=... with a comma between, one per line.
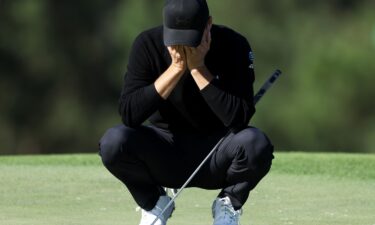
x=256, y=145
x=111, y=144
x=252, y=156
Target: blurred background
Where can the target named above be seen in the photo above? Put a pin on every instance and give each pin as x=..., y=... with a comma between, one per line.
x=62, y=65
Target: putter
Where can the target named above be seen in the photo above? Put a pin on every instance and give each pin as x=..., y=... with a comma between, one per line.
x=257, y=97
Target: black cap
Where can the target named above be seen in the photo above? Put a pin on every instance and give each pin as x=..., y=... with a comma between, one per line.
x=184, y=22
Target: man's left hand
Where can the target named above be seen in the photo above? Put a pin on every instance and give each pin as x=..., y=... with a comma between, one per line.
x=195, y=56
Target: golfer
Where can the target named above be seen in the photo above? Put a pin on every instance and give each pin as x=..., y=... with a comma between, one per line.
x=193, y=82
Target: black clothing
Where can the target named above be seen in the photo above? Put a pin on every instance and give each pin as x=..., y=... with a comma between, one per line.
x=188, y=124
x=226, y=102
x=146, y=158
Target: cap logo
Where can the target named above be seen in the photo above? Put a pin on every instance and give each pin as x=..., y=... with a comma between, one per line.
x=180, y=21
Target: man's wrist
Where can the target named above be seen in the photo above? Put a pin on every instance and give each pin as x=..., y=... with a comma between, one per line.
x=198, y=69
x=176, y=69
x=202, y=76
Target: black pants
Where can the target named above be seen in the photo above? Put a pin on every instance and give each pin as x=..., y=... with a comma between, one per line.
x=147, y=158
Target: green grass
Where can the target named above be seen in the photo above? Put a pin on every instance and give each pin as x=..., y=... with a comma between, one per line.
x=301, y=189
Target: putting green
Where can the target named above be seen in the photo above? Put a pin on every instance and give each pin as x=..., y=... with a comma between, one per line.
x=301, y=189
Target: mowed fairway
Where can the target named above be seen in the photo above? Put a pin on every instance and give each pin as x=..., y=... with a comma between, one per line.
x=301, y=189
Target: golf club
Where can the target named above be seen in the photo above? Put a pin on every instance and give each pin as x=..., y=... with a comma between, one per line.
x=257, y=97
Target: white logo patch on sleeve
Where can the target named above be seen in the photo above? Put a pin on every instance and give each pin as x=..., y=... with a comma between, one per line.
x=251, y=58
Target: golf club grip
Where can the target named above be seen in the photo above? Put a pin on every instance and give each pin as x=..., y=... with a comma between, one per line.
x=266, y=86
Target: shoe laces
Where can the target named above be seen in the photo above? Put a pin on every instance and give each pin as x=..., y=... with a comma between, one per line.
x=227, y=212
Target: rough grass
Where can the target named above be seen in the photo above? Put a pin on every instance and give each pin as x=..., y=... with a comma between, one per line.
x=301, y=189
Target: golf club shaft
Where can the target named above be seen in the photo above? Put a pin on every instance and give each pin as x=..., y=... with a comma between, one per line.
x=189, y=179
x=266, y=86
x=257, y=97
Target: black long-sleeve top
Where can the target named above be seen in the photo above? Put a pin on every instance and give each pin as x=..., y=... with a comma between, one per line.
x=227, y=102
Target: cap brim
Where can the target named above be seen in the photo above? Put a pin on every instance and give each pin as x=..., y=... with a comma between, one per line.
x=190, y=38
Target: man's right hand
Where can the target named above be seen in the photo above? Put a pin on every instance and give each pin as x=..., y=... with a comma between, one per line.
x=178, y=57
x=165, y=84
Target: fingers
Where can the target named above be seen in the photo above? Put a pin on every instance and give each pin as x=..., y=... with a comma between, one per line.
x=188, y=50
x=206, y=39
x=209, y=37
x=208, y=33
x=176, y=51
x=178, y=57
x=181, y=52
